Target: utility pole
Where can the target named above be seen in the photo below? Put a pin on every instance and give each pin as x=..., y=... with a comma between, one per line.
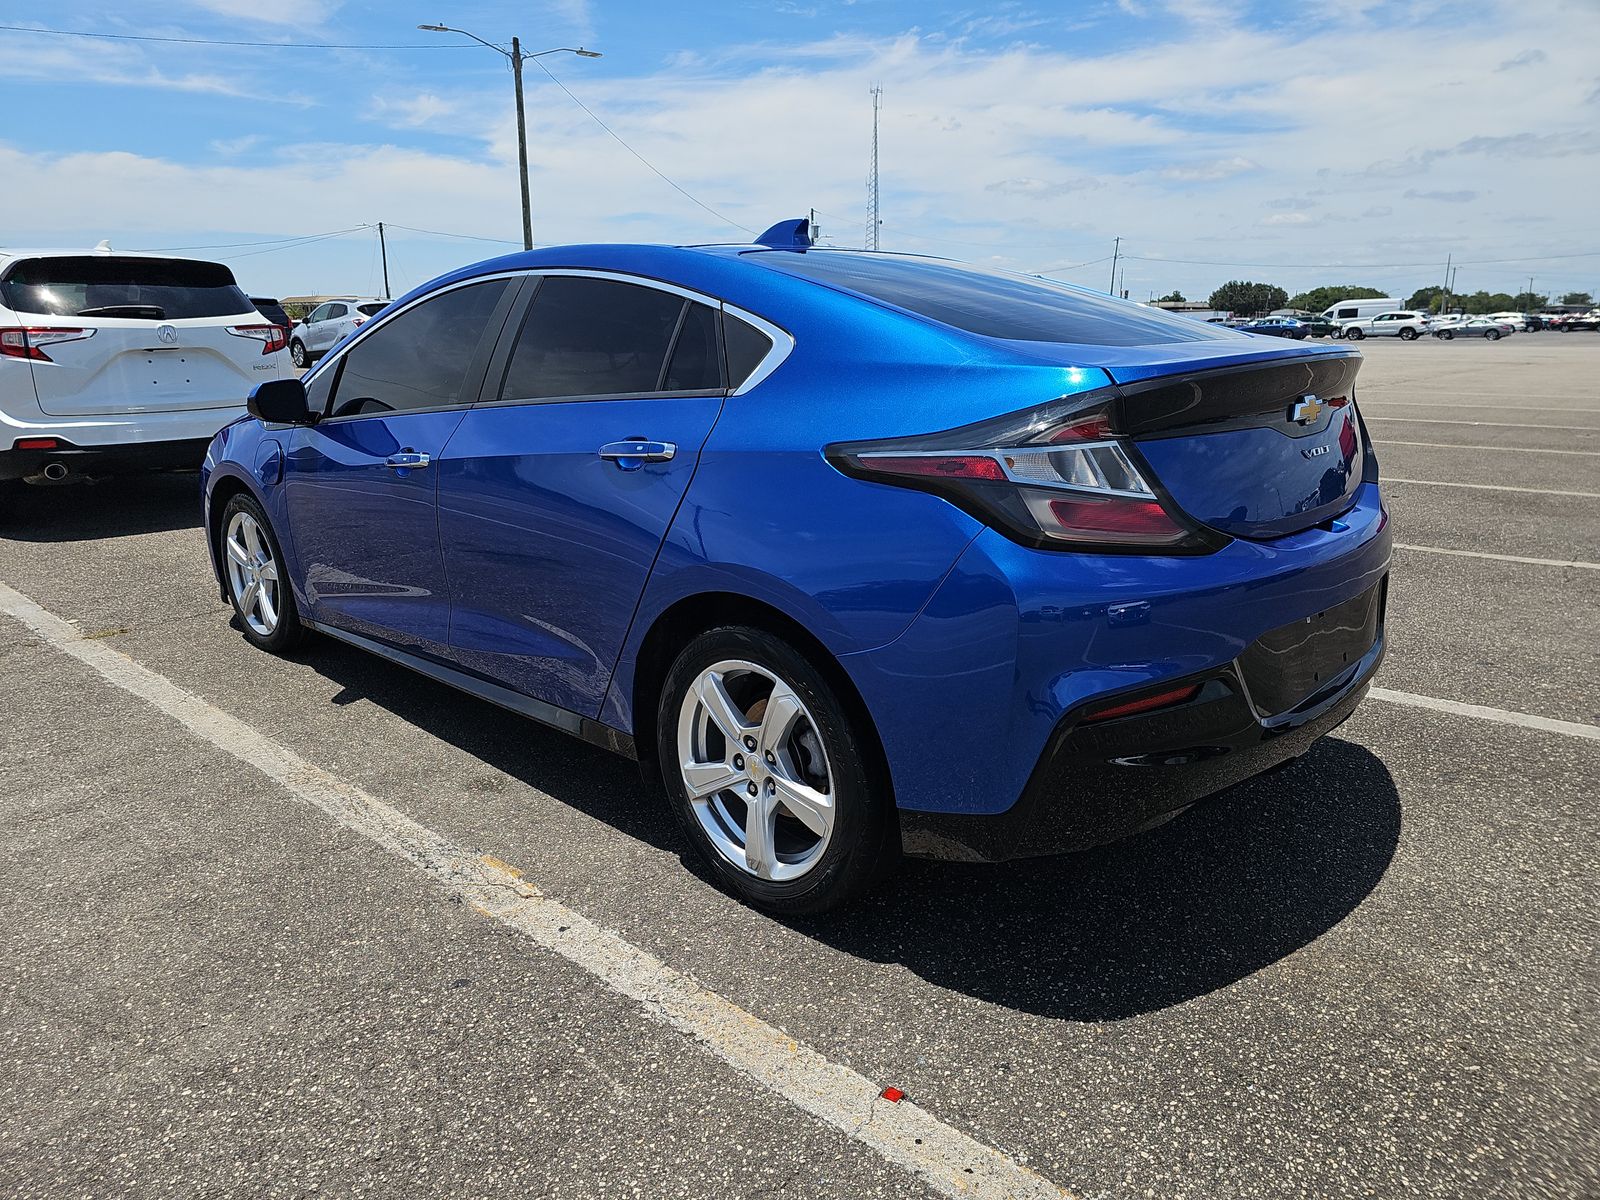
x=1444, y=301
x=1116, y=247
x=383, y=249
x=814, y=231
x=522, y=146
x=874, y=220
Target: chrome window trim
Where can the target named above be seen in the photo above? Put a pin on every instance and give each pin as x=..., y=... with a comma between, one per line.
x=782, y=346
x=782, y=340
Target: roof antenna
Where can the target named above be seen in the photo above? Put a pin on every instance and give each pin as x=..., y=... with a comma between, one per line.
x=103, y=246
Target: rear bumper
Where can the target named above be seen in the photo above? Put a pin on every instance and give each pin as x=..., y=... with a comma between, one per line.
x=1096, y=783
x=94, y=461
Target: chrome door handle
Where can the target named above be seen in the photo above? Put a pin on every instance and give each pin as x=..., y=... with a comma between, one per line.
x=407, y=460
x=637, y=450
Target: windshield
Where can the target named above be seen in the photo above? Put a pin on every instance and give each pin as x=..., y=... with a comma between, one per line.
x=160, y=289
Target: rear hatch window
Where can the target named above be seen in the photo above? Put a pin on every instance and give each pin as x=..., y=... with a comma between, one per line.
x=156, y=289
x=371, y=310
x=991, y=303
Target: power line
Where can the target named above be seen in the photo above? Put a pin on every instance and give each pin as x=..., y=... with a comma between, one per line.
x=618, y=138
x=193, y=41
x=471, y=237
x=265, y=242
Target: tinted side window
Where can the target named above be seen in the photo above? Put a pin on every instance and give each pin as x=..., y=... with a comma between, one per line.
x=418, y=359
x=746, y=346
x=591, y=337
x=696, y=363
x=338, y=310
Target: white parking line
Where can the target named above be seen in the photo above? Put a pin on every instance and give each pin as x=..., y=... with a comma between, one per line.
x=1510, y=558
x=947, y=1160
x=1496, y=449
x=1367, y=402
x=1487, y=424
x=1489, y=487
x=1483, y=713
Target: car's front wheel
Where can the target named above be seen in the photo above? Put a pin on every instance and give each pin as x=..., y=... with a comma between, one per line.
x=297, y=354
x=766, y=771
x=258, y=582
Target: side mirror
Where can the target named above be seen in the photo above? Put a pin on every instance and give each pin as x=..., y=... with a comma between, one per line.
x=281, y=402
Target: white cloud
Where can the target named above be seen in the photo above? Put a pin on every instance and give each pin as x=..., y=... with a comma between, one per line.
x=1217, y=168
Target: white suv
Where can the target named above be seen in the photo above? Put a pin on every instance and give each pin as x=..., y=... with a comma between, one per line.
x=328, y=324
x=116, y=363
x=1403, y=324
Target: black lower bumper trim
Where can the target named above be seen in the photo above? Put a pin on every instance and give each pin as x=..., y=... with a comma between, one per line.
x=133, y=458
x=1096, y=783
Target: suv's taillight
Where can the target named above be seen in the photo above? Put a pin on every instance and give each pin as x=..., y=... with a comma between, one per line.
x=1058, y=476
x=271, y=337
x=27, y=342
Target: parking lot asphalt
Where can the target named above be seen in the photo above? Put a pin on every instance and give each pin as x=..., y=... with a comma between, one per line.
x=1373, y=974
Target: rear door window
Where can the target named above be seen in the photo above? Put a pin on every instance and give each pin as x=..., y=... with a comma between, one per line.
x=159, y=289
x=592, y=337
x=418, y=359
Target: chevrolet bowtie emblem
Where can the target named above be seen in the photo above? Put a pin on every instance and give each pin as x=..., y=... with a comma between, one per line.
x=1307, y=410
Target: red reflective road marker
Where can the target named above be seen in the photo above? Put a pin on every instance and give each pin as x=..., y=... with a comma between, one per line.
x=892, y=1094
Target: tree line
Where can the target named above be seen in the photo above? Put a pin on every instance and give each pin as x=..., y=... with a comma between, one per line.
x=1249, y=297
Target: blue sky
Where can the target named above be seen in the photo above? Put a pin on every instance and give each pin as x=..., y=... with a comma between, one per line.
x=1300, y=144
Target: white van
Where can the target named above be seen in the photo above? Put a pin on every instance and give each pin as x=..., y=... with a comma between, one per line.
x=1360, y=310
x=118, y=363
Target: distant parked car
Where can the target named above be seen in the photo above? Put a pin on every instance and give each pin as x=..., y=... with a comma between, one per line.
x=328, y=324
x=1519, y=322
x=1403, y=324
x=1284, y=327
x=1484, y=327
x=1319, y=326
x=273, y=311
x=1577, y=321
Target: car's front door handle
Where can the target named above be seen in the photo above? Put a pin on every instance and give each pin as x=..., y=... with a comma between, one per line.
x=635, y=452
x=407, y=460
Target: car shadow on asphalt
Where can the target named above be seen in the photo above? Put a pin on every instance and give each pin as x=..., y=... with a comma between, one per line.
x=110, y=508
x=1233, y=885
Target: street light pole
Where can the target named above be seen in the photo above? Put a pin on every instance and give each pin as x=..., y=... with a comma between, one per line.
x=517, y=58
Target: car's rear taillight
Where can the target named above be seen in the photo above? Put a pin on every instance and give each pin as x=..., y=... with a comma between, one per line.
x=271, y=337
x=27, y=342
x=1059, y=477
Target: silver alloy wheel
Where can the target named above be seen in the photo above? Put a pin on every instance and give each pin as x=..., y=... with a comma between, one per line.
x=755, y=770
x=252, y=573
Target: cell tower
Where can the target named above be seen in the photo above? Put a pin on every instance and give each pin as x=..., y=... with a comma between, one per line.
x=874, y=222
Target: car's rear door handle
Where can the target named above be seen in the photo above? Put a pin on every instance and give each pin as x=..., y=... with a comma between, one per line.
x=636, y=451
x=407, y=460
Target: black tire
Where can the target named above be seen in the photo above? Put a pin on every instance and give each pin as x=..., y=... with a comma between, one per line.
x=1354, y=334
x=1493, y=335
x=864, y=841
x=298, y=354
x=1449, y=335
x=288, y=632
x=1408, y=335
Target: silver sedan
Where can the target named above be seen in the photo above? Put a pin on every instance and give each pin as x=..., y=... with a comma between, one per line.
x=1475, y=327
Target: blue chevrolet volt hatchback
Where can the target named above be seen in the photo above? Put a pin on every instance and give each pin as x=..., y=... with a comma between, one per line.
x=861, y=553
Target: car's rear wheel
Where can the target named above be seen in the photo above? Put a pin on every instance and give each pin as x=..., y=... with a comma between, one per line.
x=258, y=582
x=1408, y=335
x=1355, y=335
x=1493, y=335
x=1448, y=335
x=765, y=769
x=297, y=353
